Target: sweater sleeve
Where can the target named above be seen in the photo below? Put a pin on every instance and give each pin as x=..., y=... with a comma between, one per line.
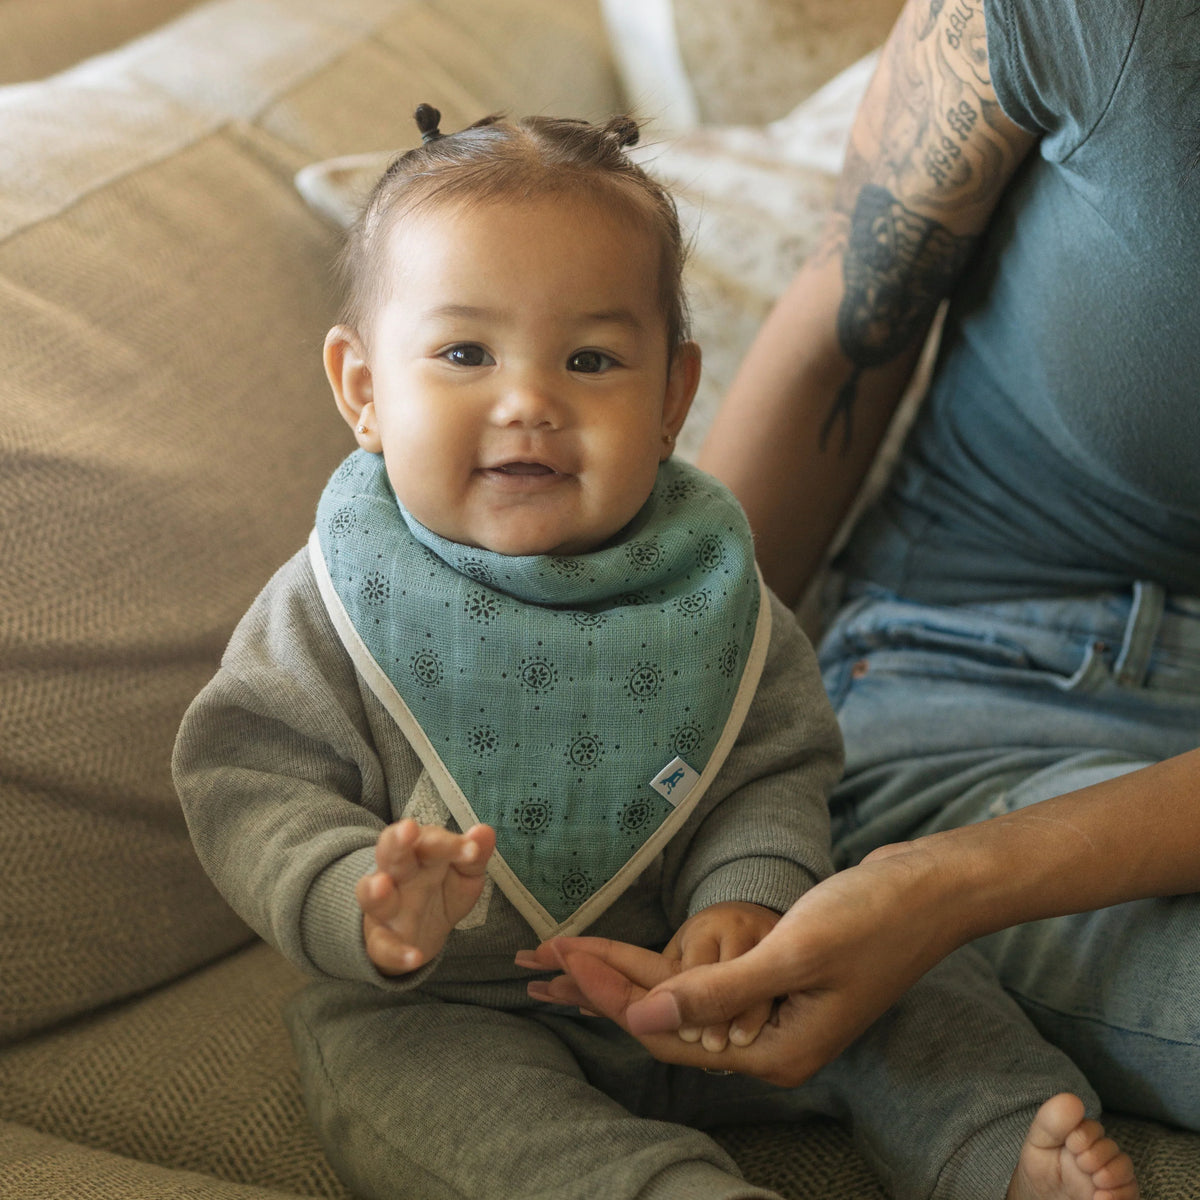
x=281, y=783
x=761, y=835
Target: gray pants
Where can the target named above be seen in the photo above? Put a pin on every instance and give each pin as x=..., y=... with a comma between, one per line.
x=418, y=1099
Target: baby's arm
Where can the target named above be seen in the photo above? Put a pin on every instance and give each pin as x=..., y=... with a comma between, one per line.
x=761, y=835
x=426, y=880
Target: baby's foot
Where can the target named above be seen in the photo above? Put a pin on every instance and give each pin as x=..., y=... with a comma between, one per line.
x=427, y=880
x=1067, y=1157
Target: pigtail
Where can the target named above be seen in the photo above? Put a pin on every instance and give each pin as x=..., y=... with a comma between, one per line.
x=624, y=130
x=428, y=119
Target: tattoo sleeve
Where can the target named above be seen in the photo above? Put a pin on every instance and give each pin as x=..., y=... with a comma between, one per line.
x=897, y=266
x=930, y=154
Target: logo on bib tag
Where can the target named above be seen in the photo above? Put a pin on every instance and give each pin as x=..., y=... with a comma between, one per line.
x=674, y=781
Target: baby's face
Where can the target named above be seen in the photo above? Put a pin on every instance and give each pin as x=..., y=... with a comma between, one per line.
x=519, y=382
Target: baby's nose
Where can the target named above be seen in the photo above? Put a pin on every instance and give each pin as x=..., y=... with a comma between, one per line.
x=529, y=400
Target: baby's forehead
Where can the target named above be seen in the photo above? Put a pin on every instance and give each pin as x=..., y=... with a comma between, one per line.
x=554, y=230
x=458, y=222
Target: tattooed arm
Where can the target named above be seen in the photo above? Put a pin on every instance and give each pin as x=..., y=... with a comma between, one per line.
x=929, y=155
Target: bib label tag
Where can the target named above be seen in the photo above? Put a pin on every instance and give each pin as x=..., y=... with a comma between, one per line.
x=674, y=781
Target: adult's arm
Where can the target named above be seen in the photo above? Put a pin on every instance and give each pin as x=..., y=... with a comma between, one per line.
x=851, y=946
x=930, y=153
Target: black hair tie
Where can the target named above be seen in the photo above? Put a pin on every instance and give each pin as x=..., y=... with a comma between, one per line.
x=428, y=118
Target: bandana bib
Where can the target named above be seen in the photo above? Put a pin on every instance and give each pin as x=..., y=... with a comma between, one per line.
x=579, y=705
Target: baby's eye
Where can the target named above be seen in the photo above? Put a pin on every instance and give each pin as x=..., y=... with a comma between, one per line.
x=590, y=362
x=468, y=355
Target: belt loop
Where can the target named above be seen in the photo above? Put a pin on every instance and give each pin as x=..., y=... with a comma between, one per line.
x=1141, y=631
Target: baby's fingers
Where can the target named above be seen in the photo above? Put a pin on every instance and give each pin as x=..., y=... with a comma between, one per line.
x=390, y=953
x=746, y=1026
x=476, y=846
x=378, y=896
x=741, y=1031
x=395, y=851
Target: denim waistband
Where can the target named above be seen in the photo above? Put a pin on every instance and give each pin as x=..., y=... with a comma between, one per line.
x=1134, y=631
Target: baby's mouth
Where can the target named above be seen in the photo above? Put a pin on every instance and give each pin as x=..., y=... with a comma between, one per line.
x=524, y=468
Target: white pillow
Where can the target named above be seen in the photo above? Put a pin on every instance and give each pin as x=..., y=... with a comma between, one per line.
x=713, y=62
x=647, y=55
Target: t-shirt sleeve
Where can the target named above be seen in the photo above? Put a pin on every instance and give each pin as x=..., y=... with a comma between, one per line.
x=1056, y=67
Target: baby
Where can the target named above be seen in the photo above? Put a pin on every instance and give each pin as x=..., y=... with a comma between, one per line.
x=525, y=680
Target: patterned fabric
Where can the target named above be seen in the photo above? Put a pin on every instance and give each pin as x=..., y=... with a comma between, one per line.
x=577, y=702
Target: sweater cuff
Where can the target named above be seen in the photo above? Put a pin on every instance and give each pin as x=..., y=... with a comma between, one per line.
x=774, y=883
x=331, y=927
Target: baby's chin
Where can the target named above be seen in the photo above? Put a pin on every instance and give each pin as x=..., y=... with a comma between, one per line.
x=537, y=548
x=525, y=544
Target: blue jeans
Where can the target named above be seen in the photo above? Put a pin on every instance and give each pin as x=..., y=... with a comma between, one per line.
x=955, y=714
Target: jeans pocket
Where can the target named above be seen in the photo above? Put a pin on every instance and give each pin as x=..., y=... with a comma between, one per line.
x=950, y=644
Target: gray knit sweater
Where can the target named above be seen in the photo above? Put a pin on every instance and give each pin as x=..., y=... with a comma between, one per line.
x=288, y=769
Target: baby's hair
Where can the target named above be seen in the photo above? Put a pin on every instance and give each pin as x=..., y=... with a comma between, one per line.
x=495, y=159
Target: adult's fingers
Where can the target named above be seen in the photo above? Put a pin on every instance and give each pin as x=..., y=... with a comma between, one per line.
x=644, y=992
x=706, y=995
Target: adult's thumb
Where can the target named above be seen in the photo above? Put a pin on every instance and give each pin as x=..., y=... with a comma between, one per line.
x=706, y=995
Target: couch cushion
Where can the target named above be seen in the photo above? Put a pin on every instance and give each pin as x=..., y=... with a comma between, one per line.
x=197, y=1076
x=166, y=423
x=36, y=1166
x=39, y=37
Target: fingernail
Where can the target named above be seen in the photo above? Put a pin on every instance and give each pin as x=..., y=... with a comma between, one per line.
x=688, y=1034
x=529, y=960
x=539, y=991
x=654, y=1014
x=713, y=1041
x=741, y=1037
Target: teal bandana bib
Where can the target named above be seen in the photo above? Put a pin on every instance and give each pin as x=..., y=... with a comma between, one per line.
x=579, y=705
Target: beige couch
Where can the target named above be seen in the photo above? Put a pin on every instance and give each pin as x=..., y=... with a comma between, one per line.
x=164, y=431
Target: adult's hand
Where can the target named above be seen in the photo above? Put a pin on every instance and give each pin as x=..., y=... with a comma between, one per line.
x=839, y=958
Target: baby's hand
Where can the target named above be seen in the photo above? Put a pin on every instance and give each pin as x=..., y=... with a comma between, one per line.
x=427, y=879
x=716, y=934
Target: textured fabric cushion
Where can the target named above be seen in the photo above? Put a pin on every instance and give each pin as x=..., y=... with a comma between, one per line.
x=37, y=1166
x=688, y=62
x=197, y=1076
x=38, y=37
x=166, y=423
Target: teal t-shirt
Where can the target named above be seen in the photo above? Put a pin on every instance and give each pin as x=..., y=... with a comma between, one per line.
x=1059, y=449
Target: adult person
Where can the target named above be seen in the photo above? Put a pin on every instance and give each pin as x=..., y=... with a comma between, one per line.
x=1016, y=665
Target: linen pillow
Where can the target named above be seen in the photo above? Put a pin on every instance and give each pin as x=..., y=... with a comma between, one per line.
x=166, y=425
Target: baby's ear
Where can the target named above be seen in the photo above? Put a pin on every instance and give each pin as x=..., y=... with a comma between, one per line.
x=350, y=380
x=682, y=381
